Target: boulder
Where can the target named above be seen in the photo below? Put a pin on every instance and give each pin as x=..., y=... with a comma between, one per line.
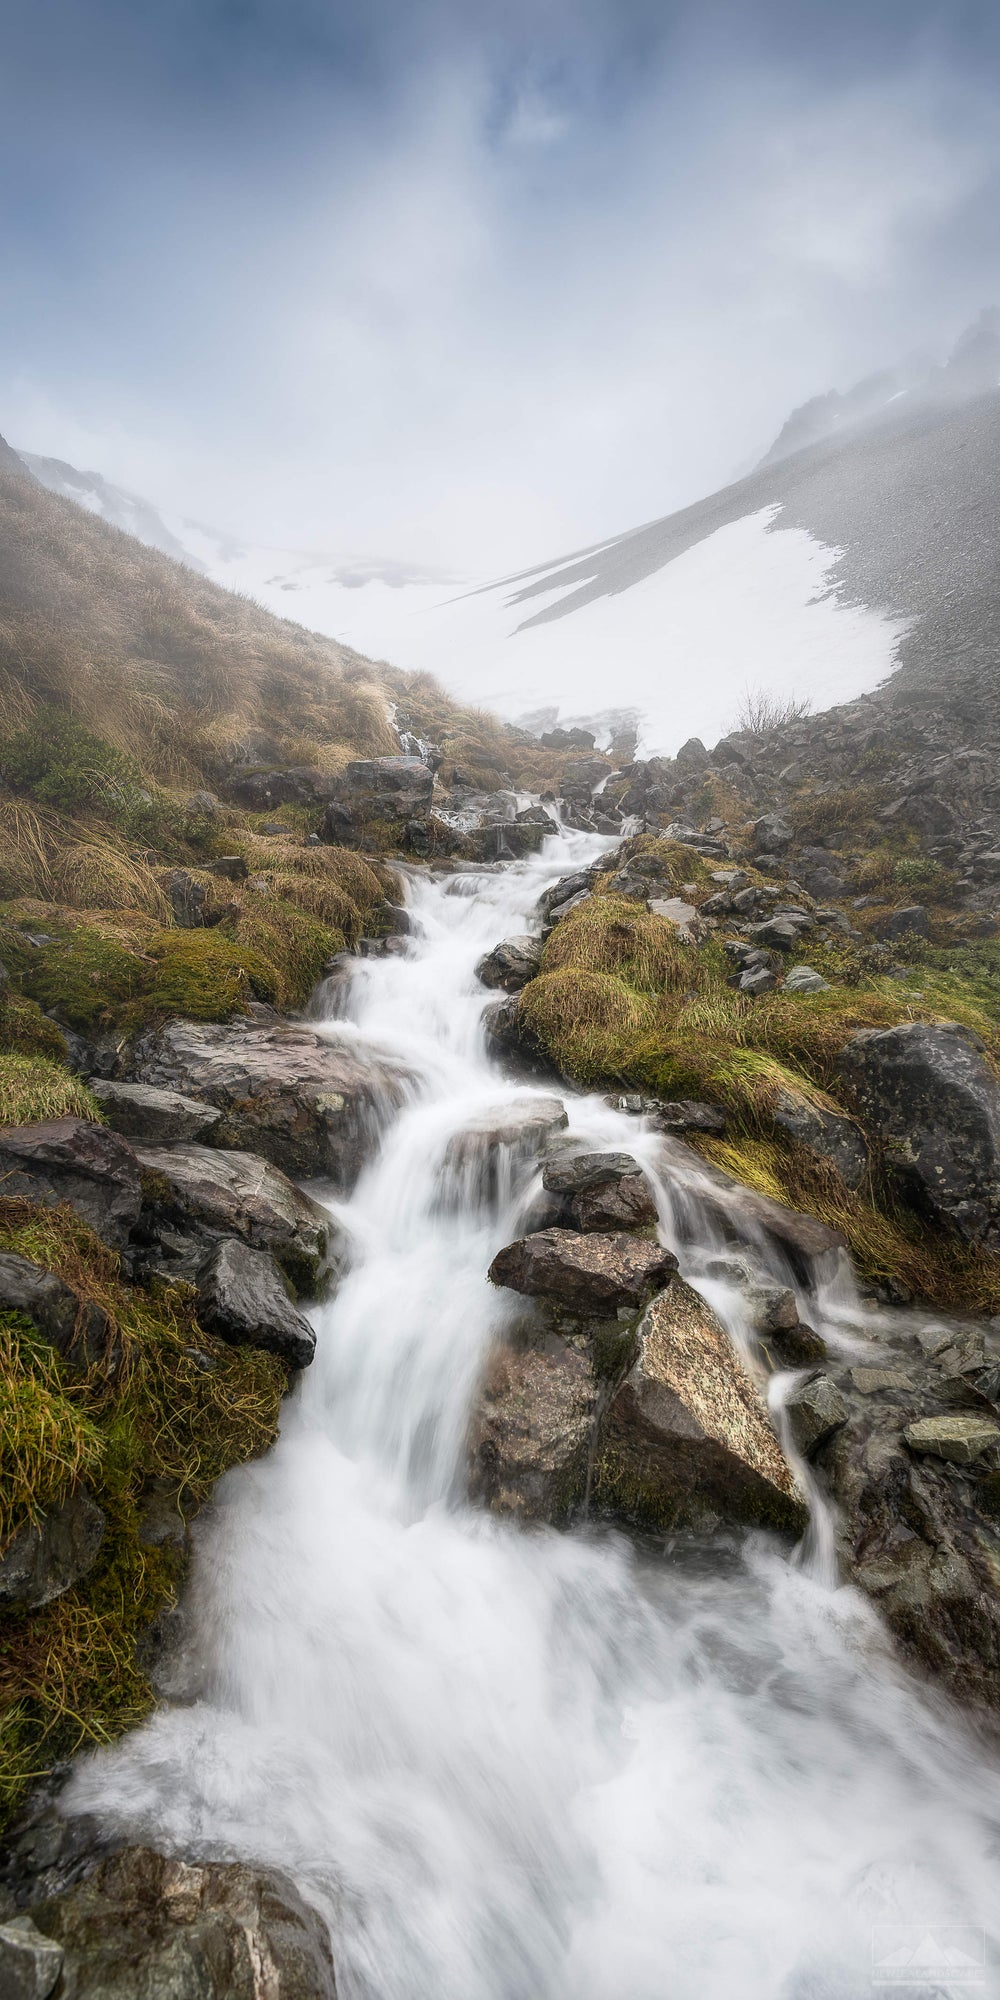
x=925, y=1092
x=825, y=1132
x=584, y=1274
x=30, y=1964
x=959, y=1439
x=692, y=755
x=306, y=1102
x=579, y=779
x=378, y=792
x=139, y=1924
x=815, y=1409
x=511, y=1043
x=600, y=1191
x=510, y=965
x=531, y=1433
x=194, y=1195
x=803, y=979
x=770, y=834
x=479, y=1160
x=686, y=1441
x=79, y=1162
x=78, y=1330
x=45, y=1558
x=567, y=739
x=241, y=1298
x=160, y=1117
x=742, y=1211
x=910, y=922
x=687, y=1115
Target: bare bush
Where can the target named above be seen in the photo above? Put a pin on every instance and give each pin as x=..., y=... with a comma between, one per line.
x=760, y=711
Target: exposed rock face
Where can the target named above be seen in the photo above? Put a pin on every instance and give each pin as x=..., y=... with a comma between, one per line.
x=42, y=1561
x=510, y=965
x=160, y=1117
x=825, y=1132
x=928, y=1096
x=241, y=1297
x=74, y=1160
x=686, y=1440
x=584, y=1274
x=532, y=1430
x=195, y=1195
x=310, y=1105
x=141, y=1927
x=600, y=1191
x=377, y=792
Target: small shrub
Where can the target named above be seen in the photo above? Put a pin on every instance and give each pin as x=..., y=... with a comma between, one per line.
x=57, y=760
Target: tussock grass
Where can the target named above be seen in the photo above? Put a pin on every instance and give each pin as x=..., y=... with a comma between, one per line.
x=33, y=1088
x=69, y=1673
x=588, y=1021
x=610, y=934
x=96, y=875
x=292, y=942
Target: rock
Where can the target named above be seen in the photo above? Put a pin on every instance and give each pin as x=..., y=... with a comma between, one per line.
x=760, y=979
x=825, y=1132
x=77, y=1330
x=511, y=964
x=531, y=1434
x=42, y=1560
x=584, y=1274
x=802, y=979
x=600, y=1191
x=193, y=905
x=306, y=1102
x=928, y=1096
x=874, y=1381
x=692, y=755
x=241, y=1298
x=231, y=867
x=477, y=1160
x=676, y=911
x=371, y=793
x=510, y=1042
x=776, y=933
x=578, y=780
x=686, y=1441
x=770, y=834
x=204, y=1195
x=687, y=1115
x=911, y=922
x=772, y=1308
x=30, y=1964
x=815, y=1409
x=567, y=739
x=160, y=1117
x=77, y=1161
x=741, y=1210
x=142, y=1927
x=959, y=1439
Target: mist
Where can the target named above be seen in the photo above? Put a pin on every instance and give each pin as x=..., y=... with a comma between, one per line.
x=469, y=296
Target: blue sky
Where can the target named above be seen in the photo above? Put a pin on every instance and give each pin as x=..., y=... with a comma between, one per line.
x=471, y=284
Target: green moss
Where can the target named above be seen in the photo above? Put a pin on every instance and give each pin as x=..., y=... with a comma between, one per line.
x=85, y=974
x=205, y=975
x=33, y=1088
x=179, y=1409
x=24, y=1030
x=294, y=944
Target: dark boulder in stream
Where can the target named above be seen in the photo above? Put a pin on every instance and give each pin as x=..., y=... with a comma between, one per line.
x=584, y=1273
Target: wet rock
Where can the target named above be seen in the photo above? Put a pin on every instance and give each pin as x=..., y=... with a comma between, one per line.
x=374, y=793
x=772, y=1308
x=142, y=1927
x=577, y=780
x=510, y=965
x=688, y=1115
x=311, y=1105
x=30, y=1964
x=563, y=892
x=959, y=1439
x=803, y=979
x=741, y=1210
x=77, y=1161
x=79, y=1331
x=925, y=1092
x=478, y=1161
x=510, y=1042
x=825, y=1132
x=600, y=1191
x=203, y=1195
x=532, y=1430
x=241, y=1297
x=160, y=1117
x=815, y=1409
x=686, y=1441
x=45, y=1558
x=584, y=1274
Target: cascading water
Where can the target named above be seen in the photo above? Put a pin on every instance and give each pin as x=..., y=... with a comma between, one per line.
x=516, y=1764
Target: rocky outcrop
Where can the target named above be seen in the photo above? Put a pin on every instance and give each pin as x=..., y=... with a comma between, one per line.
x=686, y=1440
x=387, y=796
x=44, y=1558
x=79, y=1162
x=193, y=1196
x=510, y=965
x=311, y=1105
x=77, y=1329
x=140, y=1924
x=159, y=1117
x=825, y=1132
x=738, y=1210
x=599, y=1191
x=241, y=1297
x=597, y=1274
x=925, y=1092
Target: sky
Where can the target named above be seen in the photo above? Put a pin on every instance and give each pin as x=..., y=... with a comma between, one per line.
x=471, y=284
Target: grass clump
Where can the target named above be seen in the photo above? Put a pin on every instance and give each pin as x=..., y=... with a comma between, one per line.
x=178, y=1409
x=610, y=934
x=95, y=875
x=291, y=942
x=33, y=1088
x=589, y=1022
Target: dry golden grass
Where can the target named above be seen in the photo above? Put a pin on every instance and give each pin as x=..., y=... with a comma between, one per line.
x=34, y=1088
x=613, y=935
x=97, y=875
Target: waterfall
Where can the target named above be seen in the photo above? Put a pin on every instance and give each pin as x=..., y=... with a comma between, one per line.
x=521, y=1764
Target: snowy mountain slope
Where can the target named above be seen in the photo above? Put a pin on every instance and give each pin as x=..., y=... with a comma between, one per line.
x=125, y=510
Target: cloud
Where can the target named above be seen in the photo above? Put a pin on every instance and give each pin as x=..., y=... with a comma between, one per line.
x=465, y=288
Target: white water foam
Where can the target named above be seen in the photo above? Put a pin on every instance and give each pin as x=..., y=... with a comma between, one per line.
x=513, y=1764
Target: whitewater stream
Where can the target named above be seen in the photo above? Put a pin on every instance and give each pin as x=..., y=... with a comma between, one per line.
x=521, y=1764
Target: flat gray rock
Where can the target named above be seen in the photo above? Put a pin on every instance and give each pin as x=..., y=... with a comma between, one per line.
x=154, y=1115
